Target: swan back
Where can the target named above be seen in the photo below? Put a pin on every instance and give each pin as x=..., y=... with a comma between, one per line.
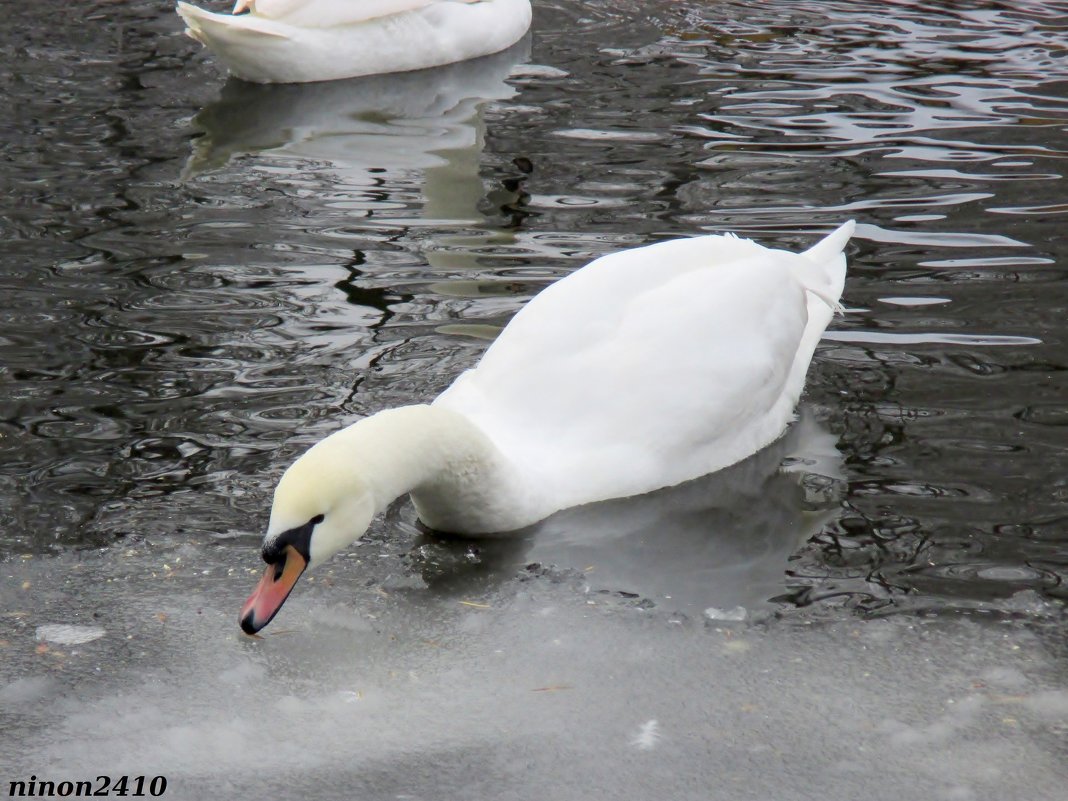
x=655, y=365
x=321, y=40
x=326, y=13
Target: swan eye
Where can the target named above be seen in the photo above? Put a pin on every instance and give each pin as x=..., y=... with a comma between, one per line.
x=299, y=538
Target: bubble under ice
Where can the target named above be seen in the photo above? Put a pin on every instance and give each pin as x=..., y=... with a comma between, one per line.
x=540, y=690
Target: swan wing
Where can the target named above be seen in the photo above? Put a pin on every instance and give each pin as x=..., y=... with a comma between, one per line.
x=650, y=366
x=330, y=13
x=298, y=41
x=208, y=27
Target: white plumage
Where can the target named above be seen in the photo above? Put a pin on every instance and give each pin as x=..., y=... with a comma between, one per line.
x=642, y=370
x=297, y=41
x=653, y=366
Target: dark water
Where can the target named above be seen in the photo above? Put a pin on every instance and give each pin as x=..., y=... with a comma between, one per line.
x=200, y=282
x=201, y=277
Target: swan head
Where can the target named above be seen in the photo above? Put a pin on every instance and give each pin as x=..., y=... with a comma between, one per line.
x=319, y=508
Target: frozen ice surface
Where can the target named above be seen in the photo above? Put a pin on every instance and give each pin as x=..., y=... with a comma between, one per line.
x=530, y=688
x=648, y=734
x=579, y=662
x=65, y=634
x=735, y=614
x=24, y=691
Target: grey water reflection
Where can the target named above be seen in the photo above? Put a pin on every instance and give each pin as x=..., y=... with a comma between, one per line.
x=716, y=545
x=368, y=129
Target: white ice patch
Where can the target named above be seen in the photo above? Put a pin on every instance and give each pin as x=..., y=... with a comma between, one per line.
x=648, y=735
x=25, y=691
x=735, y=614
x=958, y=717
x=1049, y=705
x=63, y=634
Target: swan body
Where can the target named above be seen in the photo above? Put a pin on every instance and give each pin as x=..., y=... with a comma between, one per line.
x=642, y=370
x=298, y=41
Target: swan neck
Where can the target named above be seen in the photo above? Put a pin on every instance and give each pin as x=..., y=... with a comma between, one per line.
x=412, y=448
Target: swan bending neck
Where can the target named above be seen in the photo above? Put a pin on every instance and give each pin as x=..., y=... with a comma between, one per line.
x=459, y=480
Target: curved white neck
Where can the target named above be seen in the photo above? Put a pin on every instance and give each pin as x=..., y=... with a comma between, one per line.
x=459, y=480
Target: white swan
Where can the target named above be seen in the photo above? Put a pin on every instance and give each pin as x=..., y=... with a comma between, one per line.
x=297, y=41
x=644, y=369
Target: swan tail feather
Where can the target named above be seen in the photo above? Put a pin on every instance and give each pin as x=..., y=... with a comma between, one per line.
x=210, y=28
x=832, y=244
x=823, y=269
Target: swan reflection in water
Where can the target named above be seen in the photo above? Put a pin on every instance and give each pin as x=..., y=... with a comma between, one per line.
x=716, y=543
x=369, y=129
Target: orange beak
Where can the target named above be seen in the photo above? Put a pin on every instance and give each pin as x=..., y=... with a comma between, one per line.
x=277, y=582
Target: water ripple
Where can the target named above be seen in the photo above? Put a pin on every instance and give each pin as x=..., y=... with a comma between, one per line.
x=932, y=338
